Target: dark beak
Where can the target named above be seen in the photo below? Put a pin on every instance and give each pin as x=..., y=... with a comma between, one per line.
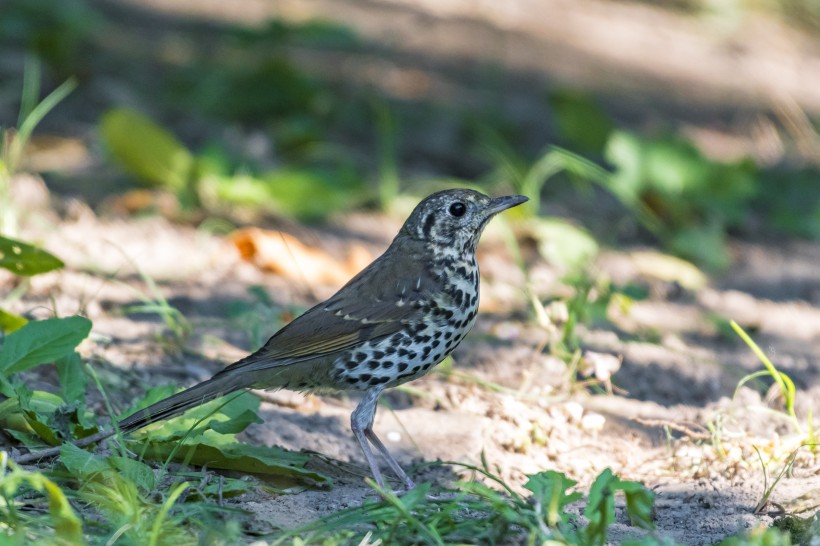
x=499, y=204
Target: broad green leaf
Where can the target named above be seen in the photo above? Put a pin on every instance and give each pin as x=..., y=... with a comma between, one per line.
x=640, y=504
x=626, y=152
x=225, y=487
x=582, y=123
x=146, y=150
x=220, y=451
x=72, y=376
x=703, y=244
x=10, y=322
x=43, y=427
x=562, y=244
x=550, y=489
x=23, y=259
x=307, y=193
x=40, y=416
x=80, y=463
x=138, y=472
x=236, y=424
x=154, y=394
x=41, y=342
x=600, y=509
x=228, y=415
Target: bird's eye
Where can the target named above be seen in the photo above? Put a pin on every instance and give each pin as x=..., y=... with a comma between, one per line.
x=458, y=209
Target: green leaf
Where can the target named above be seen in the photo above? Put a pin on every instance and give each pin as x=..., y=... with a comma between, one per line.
x=43, y=427
x=582, y=123
x=562, y=244
x=23, y=259
x=305, y=193
x=153, y=395
x=236, y=424
x=212, y=442
x=10, y=322
x=550, y=490
x=702, y=244
x=72, y=376
x=135, y=471
x=600, y=509
x=215, y=450
x=80, y=463
x=640, y=504
x=146, y=150
x=41, y=342
x=227, y=415
x=626, y=152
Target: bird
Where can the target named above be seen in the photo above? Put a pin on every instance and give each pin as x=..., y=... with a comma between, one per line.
x=390, y=324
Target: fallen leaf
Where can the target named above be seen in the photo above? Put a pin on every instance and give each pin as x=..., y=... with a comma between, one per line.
x=284, y=254
x=669, y=268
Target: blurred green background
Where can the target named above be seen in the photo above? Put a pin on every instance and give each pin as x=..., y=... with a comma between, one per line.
x=676, y=123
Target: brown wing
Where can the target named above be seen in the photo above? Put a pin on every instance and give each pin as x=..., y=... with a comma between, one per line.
x=366, y=308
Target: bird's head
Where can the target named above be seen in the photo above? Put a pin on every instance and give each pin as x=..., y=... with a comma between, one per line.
x=455, y=218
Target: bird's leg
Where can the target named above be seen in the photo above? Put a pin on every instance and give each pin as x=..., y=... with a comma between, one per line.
x=362, y=424
x=391, y=462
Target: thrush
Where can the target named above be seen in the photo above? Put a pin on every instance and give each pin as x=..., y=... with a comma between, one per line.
x=390, y=324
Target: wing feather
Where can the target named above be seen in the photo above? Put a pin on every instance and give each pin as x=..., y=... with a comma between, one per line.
x=373, y=305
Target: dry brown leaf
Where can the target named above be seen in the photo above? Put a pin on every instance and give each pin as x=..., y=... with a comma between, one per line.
x=284, y=254
x=140, y=200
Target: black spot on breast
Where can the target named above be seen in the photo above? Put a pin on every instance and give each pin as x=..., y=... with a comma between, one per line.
x=412, y=354
x=416, y=369
x=387, y=364
x=352, y=380
x=458, y=297
x=350, y=364
x=365, y=377
x=379, y=380
x=373, y=364
x=378, y=354
x=448, y=334
x=437, y=335
x=402, y=366
x=403, y=352
x=426, y=352
x=461, y=271
x=360, y=357
x=435, y=344
x=390, y=351
x=448, y=314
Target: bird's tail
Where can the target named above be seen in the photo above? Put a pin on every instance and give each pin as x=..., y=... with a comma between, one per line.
x=197, y=395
